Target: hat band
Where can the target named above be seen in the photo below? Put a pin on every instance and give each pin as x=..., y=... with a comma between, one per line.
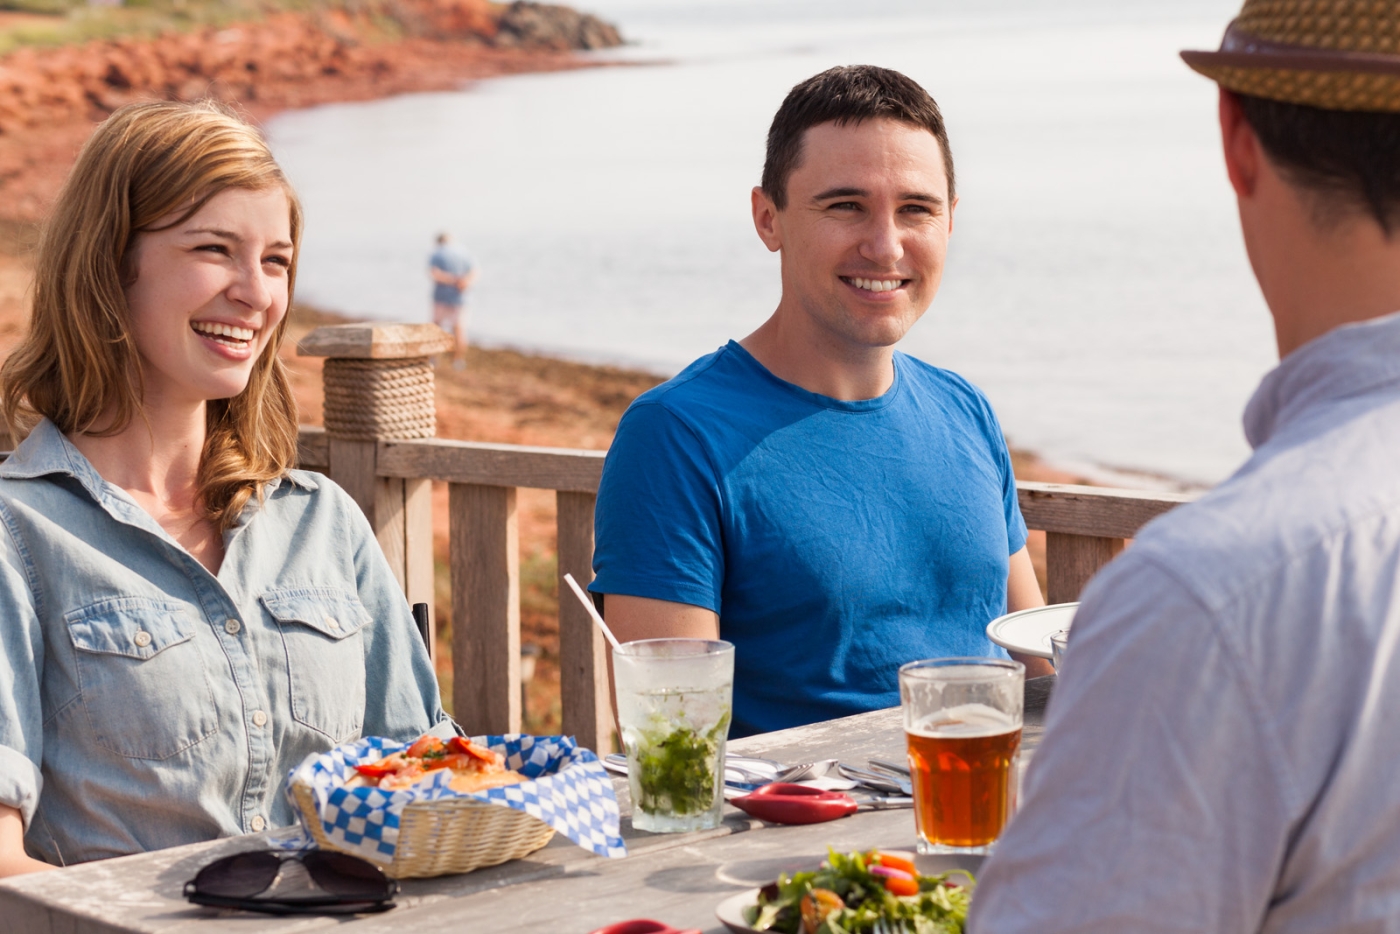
x=1240, y=49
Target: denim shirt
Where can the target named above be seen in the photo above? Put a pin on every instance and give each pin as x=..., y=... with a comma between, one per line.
x=147, y=703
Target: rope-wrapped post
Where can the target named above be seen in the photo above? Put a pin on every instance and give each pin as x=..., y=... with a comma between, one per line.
x=378, y=386
x=373, y=400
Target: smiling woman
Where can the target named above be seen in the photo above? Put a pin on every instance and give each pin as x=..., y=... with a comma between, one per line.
x=186, y=617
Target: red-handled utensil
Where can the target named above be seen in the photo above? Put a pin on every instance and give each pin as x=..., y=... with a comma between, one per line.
x=787, y=803
x=643, y=926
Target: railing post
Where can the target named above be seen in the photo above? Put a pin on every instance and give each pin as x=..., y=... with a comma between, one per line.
x=1070, y=560
x=583, y=660
x=378, y=386
x=1086, y=527
x=485, y=549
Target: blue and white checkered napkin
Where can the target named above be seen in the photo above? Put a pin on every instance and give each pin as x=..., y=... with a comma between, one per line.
x=567, y=788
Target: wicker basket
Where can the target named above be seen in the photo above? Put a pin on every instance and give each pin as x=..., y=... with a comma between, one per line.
x=445, y=836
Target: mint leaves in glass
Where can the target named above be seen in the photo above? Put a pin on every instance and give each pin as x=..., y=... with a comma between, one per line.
x=673, y=704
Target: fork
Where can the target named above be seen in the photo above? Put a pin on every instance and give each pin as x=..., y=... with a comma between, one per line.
x=883, y=926
x=792, y=773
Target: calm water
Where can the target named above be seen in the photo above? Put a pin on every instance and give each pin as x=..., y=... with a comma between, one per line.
x=1096, y=289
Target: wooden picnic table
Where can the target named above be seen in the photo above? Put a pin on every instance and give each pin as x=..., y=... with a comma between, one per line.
x=675, y=878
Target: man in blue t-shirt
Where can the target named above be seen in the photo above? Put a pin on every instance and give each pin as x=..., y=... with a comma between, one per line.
x=452, y=274
x=832, y=507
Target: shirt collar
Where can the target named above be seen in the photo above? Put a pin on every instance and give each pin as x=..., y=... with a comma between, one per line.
x=46, y=451
x=1347, y=361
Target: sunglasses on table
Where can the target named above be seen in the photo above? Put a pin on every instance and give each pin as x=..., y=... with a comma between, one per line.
x=350, y=885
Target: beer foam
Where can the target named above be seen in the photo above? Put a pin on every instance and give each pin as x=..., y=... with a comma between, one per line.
x=967, y=720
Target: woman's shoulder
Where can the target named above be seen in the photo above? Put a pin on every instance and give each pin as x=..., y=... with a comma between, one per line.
x=310, y=481
x=310, y=487
x=316, y=497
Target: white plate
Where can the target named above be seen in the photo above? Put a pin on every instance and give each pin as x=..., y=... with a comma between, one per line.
x=730, y=912
x=1029, y=631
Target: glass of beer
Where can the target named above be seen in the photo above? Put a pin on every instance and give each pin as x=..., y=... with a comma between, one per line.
x=962, y=719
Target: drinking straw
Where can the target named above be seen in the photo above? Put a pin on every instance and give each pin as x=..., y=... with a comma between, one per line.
x=592, y=610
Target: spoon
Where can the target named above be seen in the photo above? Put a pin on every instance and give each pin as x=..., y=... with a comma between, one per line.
x=894, y=768
x=806, y=770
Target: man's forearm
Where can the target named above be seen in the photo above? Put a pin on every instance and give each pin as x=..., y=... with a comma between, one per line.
x=1023, y=593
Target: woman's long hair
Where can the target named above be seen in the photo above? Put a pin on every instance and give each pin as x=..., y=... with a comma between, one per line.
x=78, y=366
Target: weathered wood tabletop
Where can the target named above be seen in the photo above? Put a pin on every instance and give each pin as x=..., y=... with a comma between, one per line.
x=675, y=878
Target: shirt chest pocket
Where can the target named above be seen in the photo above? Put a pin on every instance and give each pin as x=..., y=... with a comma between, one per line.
x=322, y=632
x=144, y=688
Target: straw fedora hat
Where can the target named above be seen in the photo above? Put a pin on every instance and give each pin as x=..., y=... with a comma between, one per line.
x=1334, y=54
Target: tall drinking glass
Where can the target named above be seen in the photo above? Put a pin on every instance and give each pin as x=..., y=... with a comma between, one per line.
x=1059, y=644
x=962, y=720
x=673, y=704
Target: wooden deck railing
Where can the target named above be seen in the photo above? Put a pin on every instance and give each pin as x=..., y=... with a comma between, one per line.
x=391, y=480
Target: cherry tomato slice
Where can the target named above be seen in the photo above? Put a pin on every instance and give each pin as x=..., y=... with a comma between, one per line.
x=901, y=886
x=816, y=905
x=895, y=861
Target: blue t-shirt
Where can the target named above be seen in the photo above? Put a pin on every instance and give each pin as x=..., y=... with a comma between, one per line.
x=836, y=540
x=455, y=263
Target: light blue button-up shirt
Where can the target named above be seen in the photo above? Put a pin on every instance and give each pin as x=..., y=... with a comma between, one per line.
x=1222, y=751
x=147, y=703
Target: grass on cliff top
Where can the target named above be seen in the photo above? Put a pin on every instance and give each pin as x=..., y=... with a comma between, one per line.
x=64, y=22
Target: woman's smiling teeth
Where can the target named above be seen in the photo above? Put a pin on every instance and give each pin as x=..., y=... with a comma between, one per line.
x=231, y=335
x=874, y=285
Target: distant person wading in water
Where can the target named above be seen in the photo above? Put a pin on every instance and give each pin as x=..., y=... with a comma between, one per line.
x=453, y=274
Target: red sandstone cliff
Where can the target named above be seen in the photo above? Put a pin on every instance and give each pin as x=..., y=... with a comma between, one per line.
x=50, y=97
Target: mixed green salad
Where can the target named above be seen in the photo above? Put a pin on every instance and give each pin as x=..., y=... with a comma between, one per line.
x=848, y=894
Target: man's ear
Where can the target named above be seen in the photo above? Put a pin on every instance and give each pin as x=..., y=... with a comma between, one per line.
x=765, y=219
x=1241, y=145
x=953, y=206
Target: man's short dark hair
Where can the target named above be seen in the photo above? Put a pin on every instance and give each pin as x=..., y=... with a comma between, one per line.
x=846, y=94
x=1348, y=160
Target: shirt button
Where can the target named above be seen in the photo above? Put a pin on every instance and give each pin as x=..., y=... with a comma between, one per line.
x=232, y=626
x=259, y=718
x=332, y=622
x=257, y=824
x=142, y=638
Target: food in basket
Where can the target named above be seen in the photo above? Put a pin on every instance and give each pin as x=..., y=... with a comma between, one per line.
x=850, y=894
x=474, y=768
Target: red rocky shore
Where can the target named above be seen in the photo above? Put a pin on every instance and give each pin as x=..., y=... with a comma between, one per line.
x=51, y=97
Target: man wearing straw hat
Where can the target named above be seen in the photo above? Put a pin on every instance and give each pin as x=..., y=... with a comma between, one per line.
x=1221, y=750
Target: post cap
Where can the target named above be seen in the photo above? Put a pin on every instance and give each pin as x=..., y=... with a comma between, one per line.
x=375, y=341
